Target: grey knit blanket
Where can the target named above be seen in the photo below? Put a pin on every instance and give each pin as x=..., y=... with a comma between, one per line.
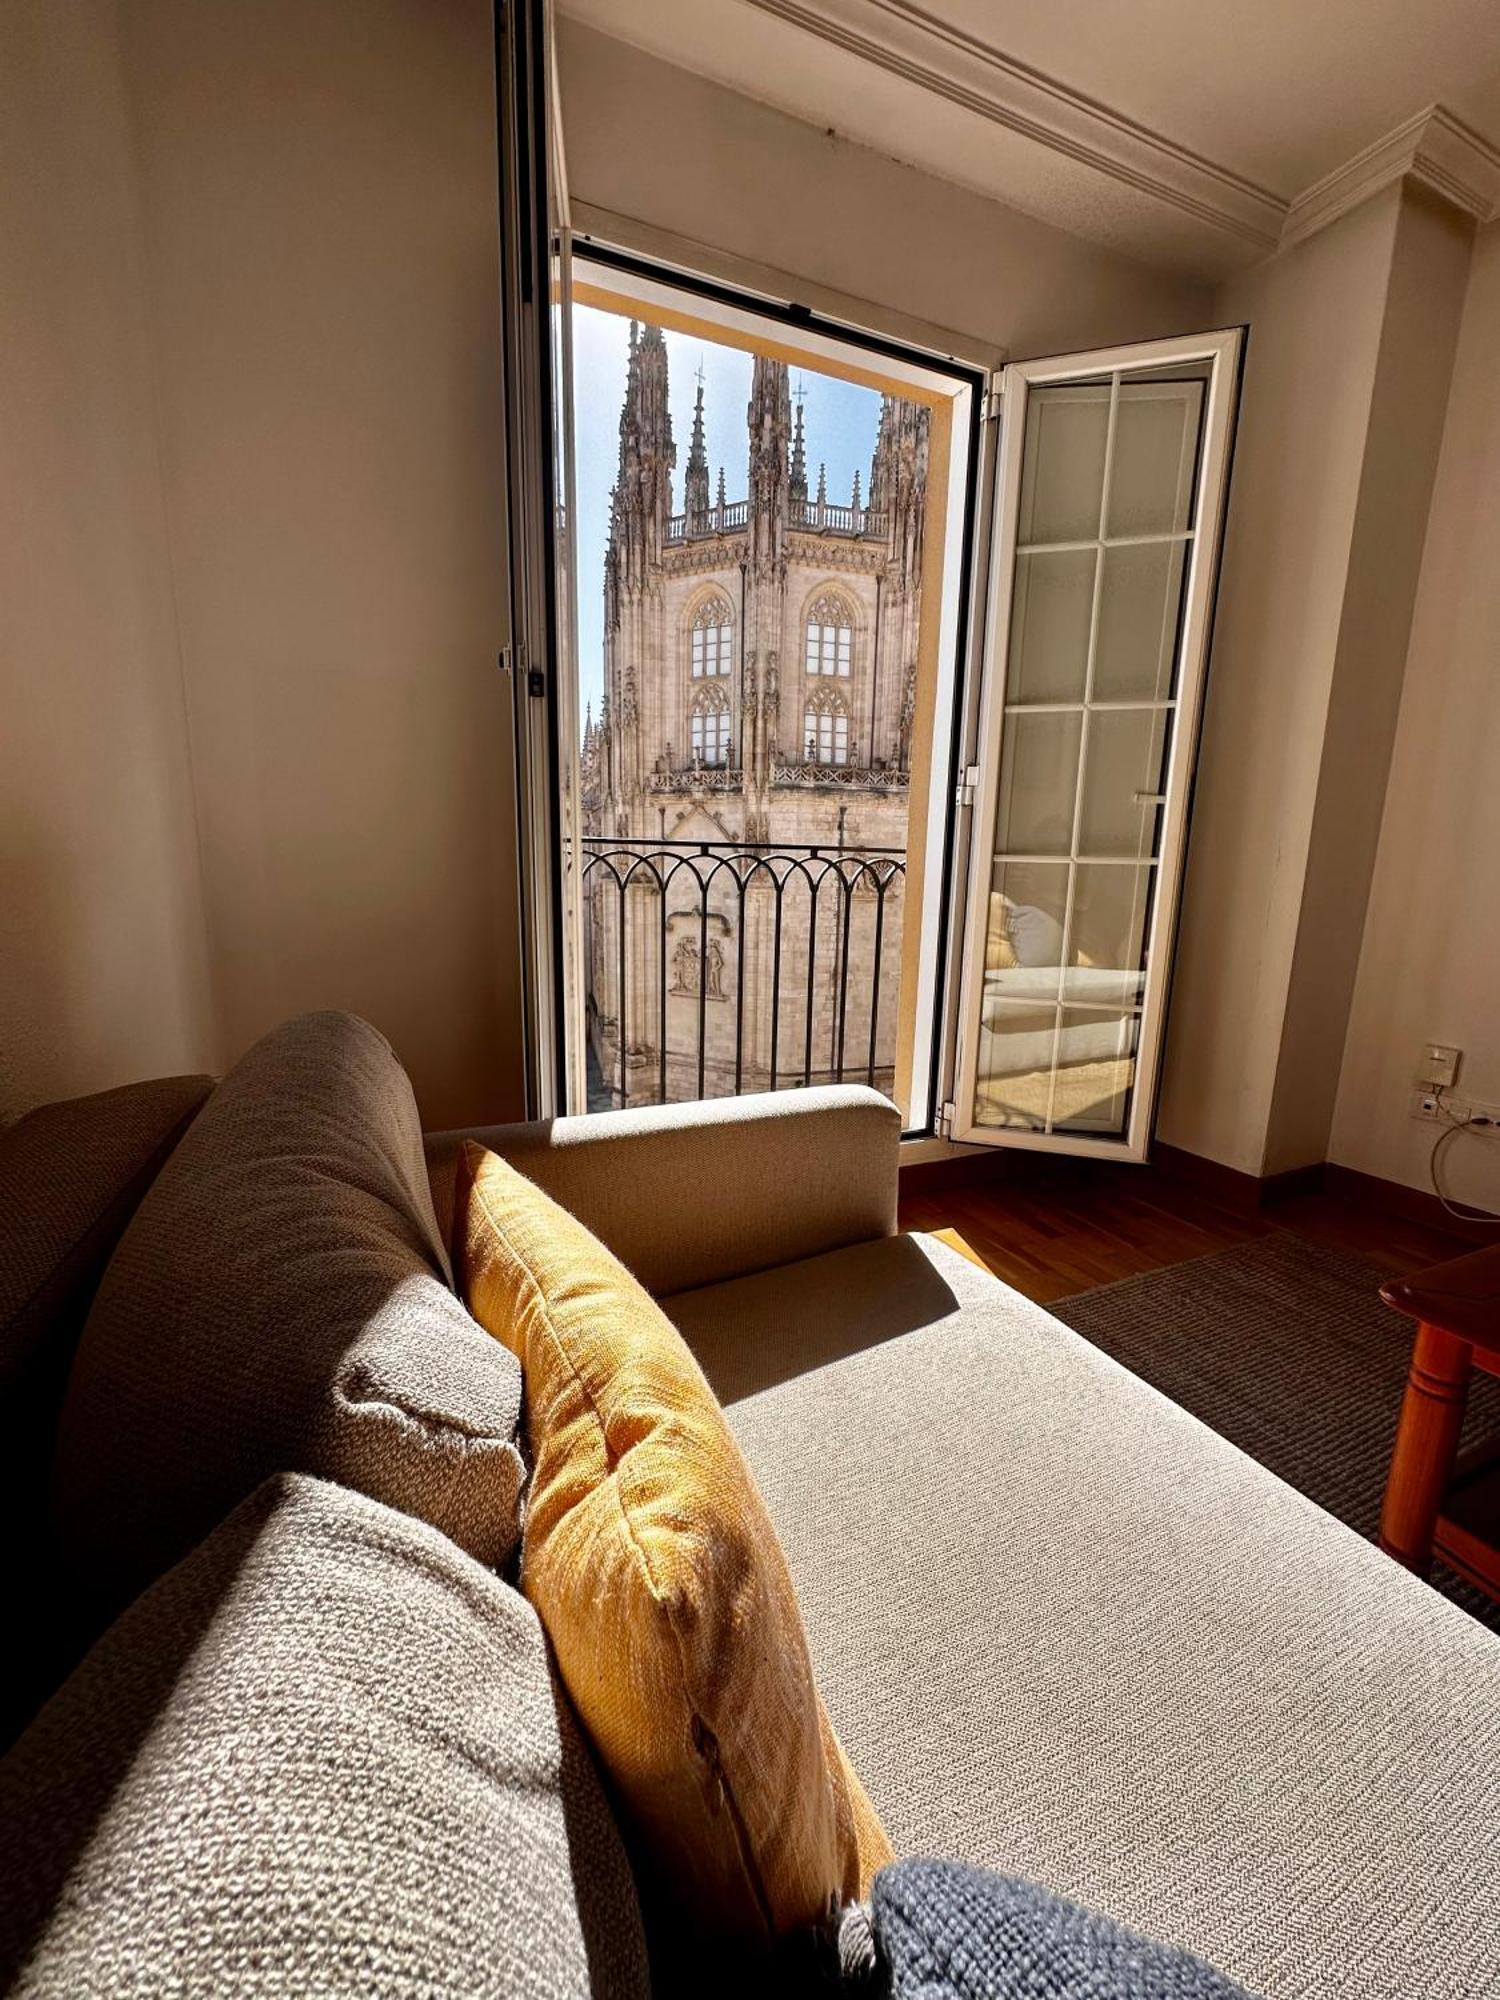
x=945, y=1931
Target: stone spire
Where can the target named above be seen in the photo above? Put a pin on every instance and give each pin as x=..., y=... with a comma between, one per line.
x=898, y=482
x=854, y=503
x=881, y=463
x=643, y=488
x=770, y=422
x=822, y=485
x=722, y=501
x=799, y=458
x=695, y=498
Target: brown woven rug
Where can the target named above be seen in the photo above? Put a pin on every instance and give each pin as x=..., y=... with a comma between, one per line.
x=1285, y=1348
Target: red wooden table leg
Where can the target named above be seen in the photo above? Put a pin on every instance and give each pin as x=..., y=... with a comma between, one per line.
x=1432, y=1415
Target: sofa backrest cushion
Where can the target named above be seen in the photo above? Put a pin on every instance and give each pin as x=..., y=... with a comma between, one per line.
x=281, y=1303
x=322, y=1755
x=663, y=1589
x=71, y=1176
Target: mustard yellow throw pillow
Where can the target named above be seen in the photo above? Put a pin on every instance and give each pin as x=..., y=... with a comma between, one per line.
x=652, y=1562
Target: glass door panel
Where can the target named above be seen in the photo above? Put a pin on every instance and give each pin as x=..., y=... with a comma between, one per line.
x=1094, y=1071
x=1121, y=791
x=1107, y=923
x=1155, y=447
x=1019, y=1044
x=1041, y=781
x=1112, y=476
x=1069, y=436
x=1140, y=596
x=1051, y=620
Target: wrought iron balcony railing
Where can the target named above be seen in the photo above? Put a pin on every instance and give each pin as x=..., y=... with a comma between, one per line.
x=751, y=967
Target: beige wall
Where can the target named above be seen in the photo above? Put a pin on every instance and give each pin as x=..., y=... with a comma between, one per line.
x=102, y=965
x=677, y=153
x=319, y=188
x=256, y=750
x=1424, y=305
x=1350, y=337
x=1430, y=964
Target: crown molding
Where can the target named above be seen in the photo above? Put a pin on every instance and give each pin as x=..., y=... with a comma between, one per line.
x=913, y=45
x=1069, y=159
x=1434, y=149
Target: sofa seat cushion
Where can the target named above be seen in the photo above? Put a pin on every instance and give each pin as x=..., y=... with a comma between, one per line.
x=324, y=1754
x=281, y=1302
x=1066, y=1631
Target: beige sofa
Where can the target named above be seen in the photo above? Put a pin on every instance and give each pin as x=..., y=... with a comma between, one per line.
x=1061, y=1627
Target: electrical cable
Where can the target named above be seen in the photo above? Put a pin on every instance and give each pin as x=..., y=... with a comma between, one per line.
x=1455, y=1126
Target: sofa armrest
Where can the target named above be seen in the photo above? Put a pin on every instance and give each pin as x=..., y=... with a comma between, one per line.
x=688, y=1194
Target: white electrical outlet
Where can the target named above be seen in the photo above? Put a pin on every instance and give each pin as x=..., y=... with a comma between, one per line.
x=1439, y=1066
x=1442, y=1109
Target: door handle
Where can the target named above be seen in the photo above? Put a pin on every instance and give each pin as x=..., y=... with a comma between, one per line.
x=1149, y=798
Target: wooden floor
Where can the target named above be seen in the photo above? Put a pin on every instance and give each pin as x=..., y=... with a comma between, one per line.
x=1053, y=1229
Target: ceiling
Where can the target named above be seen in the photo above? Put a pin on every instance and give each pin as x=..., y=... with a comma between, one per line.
x=1280, y=91
x=1198, y=135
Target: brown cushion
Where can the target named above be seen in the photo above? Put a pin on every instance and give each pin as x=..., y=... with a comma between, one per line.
x=71, y=1177
x=280, y=1303
x=324, y=1754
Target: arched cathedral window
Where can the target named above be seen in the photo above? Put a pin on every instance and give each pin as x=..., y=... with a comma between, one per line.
x=827, y=728
x=708, y=727
x=830, y=636
x=711, y=640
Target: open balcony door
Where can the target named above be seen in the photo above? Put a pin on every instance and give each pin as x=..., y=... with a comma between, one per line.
x=1110, y=484
x=536, y=284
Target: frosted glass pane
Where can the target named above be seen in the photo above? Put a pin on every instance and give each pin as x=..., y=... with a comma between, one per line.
x=1015, y=1066
x=1095, y=1072
x=1025, y=926
x=1139, y=600
x=1156, y=449
x=1062, y=477
x=1123, y=775
x=1038, y=782
x=1111, y=908
x=1052, y=613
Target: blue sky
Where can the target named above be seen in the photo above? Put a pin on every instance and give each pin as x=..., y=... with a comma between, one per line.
x=841, y=423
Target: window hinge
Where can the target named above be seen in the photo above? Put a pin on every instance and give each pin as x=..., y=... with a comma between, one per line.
x=994, y=396
x=946, y=1115
x=968, y=781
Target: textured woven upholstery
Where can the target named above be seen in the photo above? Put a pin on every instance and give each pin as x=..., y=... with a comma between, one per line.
x=280, y=1303
x=71, y=1176
x=951, y=1932
x=1065, y=1631
x=687, y=1194
x=322, y=1755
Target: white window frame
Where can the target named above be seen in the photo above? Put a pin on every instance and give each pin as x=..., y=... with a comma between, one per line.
x=711, y=642
x=828, y=643
x=1221, y=350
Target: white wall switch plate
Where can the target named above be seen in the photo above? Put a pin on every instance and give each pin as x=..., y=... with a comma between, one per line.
x=1439, y=1070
